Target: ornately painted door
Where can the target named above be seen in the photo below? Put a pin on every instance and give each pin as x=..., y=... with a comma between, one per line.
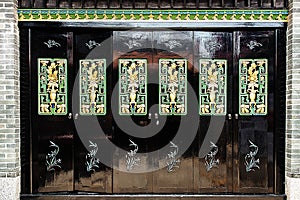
x=236, y=97
x=132, y=64
x=70, y=86
x=52, y=131
x=213, y=72
x=154, y=81
x=91, y=105
x=253, y=116
x=145, y=63
x=173, y=69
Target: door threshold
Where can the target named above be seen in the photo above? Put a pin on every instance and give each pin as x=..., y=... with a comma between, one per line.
x=153, y=196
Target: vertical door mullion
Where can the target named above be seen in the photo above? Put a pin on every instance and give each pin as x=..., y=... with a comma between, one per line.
x=230, y=105
x=71, y=70
x=235, y=81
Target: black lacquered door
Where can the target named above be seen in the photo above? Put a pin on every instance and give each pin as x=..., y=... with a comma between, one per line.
x=153, y=70
x=71, y=87
x=236, y=107
x=177, y=107
x=153, y=111
x=254, y=69
x=53, y=131
x=91, y=111
x=213, y=72
x=132, y=66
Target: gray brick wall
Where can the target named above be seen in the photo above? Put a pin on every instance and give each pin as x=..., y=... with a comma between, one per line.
x=9, y=102
x=9, y=91
x=293, y=92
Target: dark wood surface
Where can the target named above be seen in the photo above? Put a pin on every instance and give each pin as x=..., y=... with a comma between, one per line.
x=229, y=177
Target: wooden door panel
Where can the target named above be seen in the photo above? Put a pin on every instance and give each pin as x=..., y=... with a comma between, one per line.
x=135, y=180
x=255, y=51
x=52, y=144
x=213, y=168
x=177, y=180
x=132, y=50
x=93, y=50
x=253, y=136
x=173, y=47
x=91, y=174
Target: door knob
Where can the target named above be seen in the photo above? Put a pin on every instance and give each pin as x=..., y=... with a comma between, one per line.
x=76, y=116
x=236, y=116
x=156, y=117
x=229, y=116
x=70, y=116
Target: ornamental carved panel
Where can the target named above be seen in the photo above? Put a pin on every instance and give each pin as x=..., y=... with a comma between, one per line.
x=172, y=86
x=253, y=88
x=133, y=86
x=52, y=86
x=212, y=86
x=93, y=87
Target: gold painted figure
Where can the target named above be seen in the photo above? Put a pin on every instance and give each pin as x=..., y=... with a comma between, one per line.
x=53, y=82
x=252, y=72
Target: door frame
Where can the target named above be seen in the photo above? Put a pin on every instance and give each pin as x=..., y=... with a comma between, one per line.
x=27, y=120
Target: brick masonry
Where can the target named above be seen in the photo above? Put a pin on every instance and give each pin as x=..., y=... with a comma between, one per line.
x=9, y=102
x=293, y=102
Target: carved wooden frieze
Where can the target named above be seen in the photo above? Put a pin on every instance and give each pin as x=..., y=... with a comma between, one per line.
x=253, y=87
x=92, y=87
x=212, y=86
x=133, y=86
x=172, y=86
x=52, y=86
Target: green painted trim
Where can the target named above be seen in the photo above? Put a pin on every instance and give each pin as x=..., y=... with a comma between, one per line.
x=151, y=15
x=253, y=107
x=48, y=110
x=88, y=107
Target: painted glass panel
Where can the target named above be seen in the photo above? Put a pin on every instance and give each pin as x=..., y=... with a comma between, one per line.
x=212, y=86
x=133, y=86
x=93, y=87
x=52, y=86
x=172, y=86
x=253, y=75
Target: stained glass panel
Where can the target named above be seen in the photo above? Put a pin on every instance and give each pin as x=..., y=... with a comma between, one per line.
x=212, y=86
x=253, y=91
x=93, y=87
x=172, y=86
x=52, y=86
x=133, y=86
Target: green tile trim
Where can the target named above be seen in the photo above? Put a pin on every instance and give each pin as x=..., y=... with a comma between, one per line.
x=92, y=87
x=253, y=87
x=52, y=86
x=132, y=86
x=172, y=86
x=212, y=87
x=151, y=15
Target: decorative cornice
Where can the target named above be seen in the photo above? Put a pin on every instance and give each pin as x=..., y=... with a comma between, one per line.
x=152, y=15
